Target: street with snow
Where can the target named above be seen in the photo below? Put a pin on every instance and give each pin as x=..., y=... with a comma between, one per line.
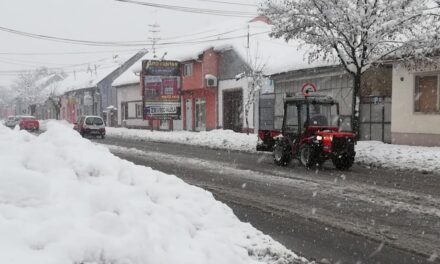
x=220, y=132
x=368, y=214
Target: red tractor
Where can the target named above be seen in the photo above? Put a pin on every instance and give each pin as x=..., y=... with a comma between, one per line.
x=312, y=133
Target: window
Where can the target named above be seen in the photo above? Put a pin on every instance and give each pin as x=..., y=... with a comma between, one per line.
x=168, y=91
x=292, y=117
x=187, y=69
x=138, y=110
x=97, y=121
x=426, y=95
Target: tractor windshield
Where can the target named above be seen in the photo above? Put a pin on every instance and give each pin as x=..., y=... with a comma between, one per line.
x=323, y=115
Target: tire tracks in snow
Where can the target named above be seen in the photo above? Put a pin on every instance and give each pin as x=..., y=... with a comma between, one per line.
x=362, y=201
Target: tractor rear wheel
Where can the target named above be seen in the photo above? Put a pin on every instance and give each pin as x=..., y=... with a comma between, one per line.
x=281, y=153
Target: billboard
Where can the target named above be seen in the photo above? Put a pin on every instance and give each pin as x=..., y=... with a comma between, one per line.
x=161, y=89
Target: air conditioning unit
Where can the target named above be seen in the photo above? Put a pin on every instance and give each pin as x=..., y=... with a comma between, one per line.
x=211, y=80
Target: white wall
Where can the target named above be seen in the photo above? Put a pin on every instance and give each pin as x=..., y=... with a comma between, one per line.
x=127, y=94
x=403, y=117
x=232, y=84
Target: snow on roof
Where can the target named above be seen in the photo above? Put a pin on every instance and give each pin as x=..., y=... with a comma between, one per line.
x=131, y=75
x=92, y=74
x=54, y=86
x=276, y=54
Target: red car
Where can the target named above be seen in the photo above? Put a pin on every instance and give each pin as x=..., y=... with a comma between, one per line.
x=29, y=123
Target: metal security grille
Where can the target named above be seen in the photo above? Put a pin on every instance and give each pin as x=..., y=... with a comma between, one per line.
x=233, y=110
x=266, y=112
x=375, y=119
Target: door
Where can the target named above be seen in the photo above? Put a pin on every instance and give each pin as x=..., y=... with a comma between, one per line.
x=200, y=114
x=233, y=110
x=124, y=113
x=188, y=114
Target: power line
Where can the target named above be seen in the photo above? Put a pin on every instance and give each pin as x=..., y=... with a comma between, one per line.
x=64, y=53
x=71, y=41
x=193, y=10
x=127, y=43
x=228, y=3
x=103, y=62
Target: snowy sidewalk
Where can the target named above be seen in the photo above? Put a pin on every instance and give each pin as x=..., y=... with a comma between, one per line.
x=64, y=199
x=368, y=153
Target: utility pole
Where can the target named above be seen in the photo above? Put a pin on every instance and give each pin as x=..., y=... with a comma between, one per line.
x=155, y=30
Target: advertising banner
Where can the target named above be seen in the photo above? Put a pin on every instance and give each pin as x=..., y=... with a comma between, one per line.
x=161, y=89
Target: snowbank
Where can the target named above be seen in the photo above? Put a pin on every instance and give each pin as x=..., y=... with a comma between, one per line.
x=220, y=139
x=378, y=154
x=369, y=153
x=43, y=123
x=65, y=200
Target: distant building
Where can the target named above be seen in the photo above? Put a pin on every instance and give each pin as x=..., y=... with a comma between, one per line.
x=92, y=93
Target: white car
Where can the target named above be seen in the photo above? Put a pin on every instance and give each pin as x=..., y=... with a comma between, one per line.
x=12, y=121
x=90, y=125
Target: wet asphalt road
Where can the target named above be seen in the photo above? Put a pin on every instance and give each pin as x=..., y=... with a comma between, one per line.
x=359, y=216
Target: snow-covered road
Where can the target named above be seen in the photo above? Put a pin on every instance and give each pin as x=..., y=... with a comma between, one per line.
x=400, y=209
x=368, y=153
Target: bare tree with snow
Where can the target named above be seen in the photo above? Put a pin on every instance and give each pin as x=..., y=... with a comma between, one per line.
x=26, y=88
x=360, y=33
x=255, y=80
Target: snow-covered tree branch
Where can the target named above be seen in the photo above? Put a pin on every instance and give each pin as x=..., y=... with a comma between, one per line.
x=359, y=33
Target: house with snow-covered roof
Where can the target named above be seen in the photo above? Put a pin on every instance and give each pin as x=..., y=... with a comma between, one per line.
x=91, y=92
x=129, y=97
x=48, y=106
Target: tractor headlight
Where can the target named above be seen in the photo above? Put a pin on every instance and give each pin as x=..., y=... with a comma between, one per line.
x=319, y=138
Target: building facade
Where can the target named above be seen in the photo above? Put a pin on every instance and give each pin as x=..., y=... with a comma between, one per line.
x=79, y=102
x=129, y=101
x=200, y=92
x=233, y=93
x=416, y=104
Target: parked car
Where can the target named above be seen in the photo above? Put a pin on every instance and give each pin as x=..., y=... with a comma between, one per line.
x=90, y=126
x=12, y=121
x=28, y=123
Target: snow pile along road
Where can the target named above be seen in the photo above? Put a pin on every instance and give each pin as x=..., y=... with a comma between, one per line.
x=65, y=200
x=220, y=139
x=378, y=154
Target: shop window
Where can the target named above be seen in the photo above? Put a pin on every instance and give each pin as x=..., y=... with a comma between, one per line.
x=426, y=96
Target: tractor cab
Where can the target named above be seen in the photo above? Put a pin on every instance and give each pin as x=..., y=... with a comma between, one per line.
x=313, y=131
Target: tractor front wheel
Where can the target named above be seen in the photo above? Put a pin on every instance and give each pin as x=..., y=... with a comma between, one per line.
x=307, y=156
x=281, y=153
x=343, y=162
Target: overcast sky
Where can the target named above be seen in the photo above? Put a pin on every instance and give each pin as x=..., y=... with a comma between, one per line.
x=98, y=20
